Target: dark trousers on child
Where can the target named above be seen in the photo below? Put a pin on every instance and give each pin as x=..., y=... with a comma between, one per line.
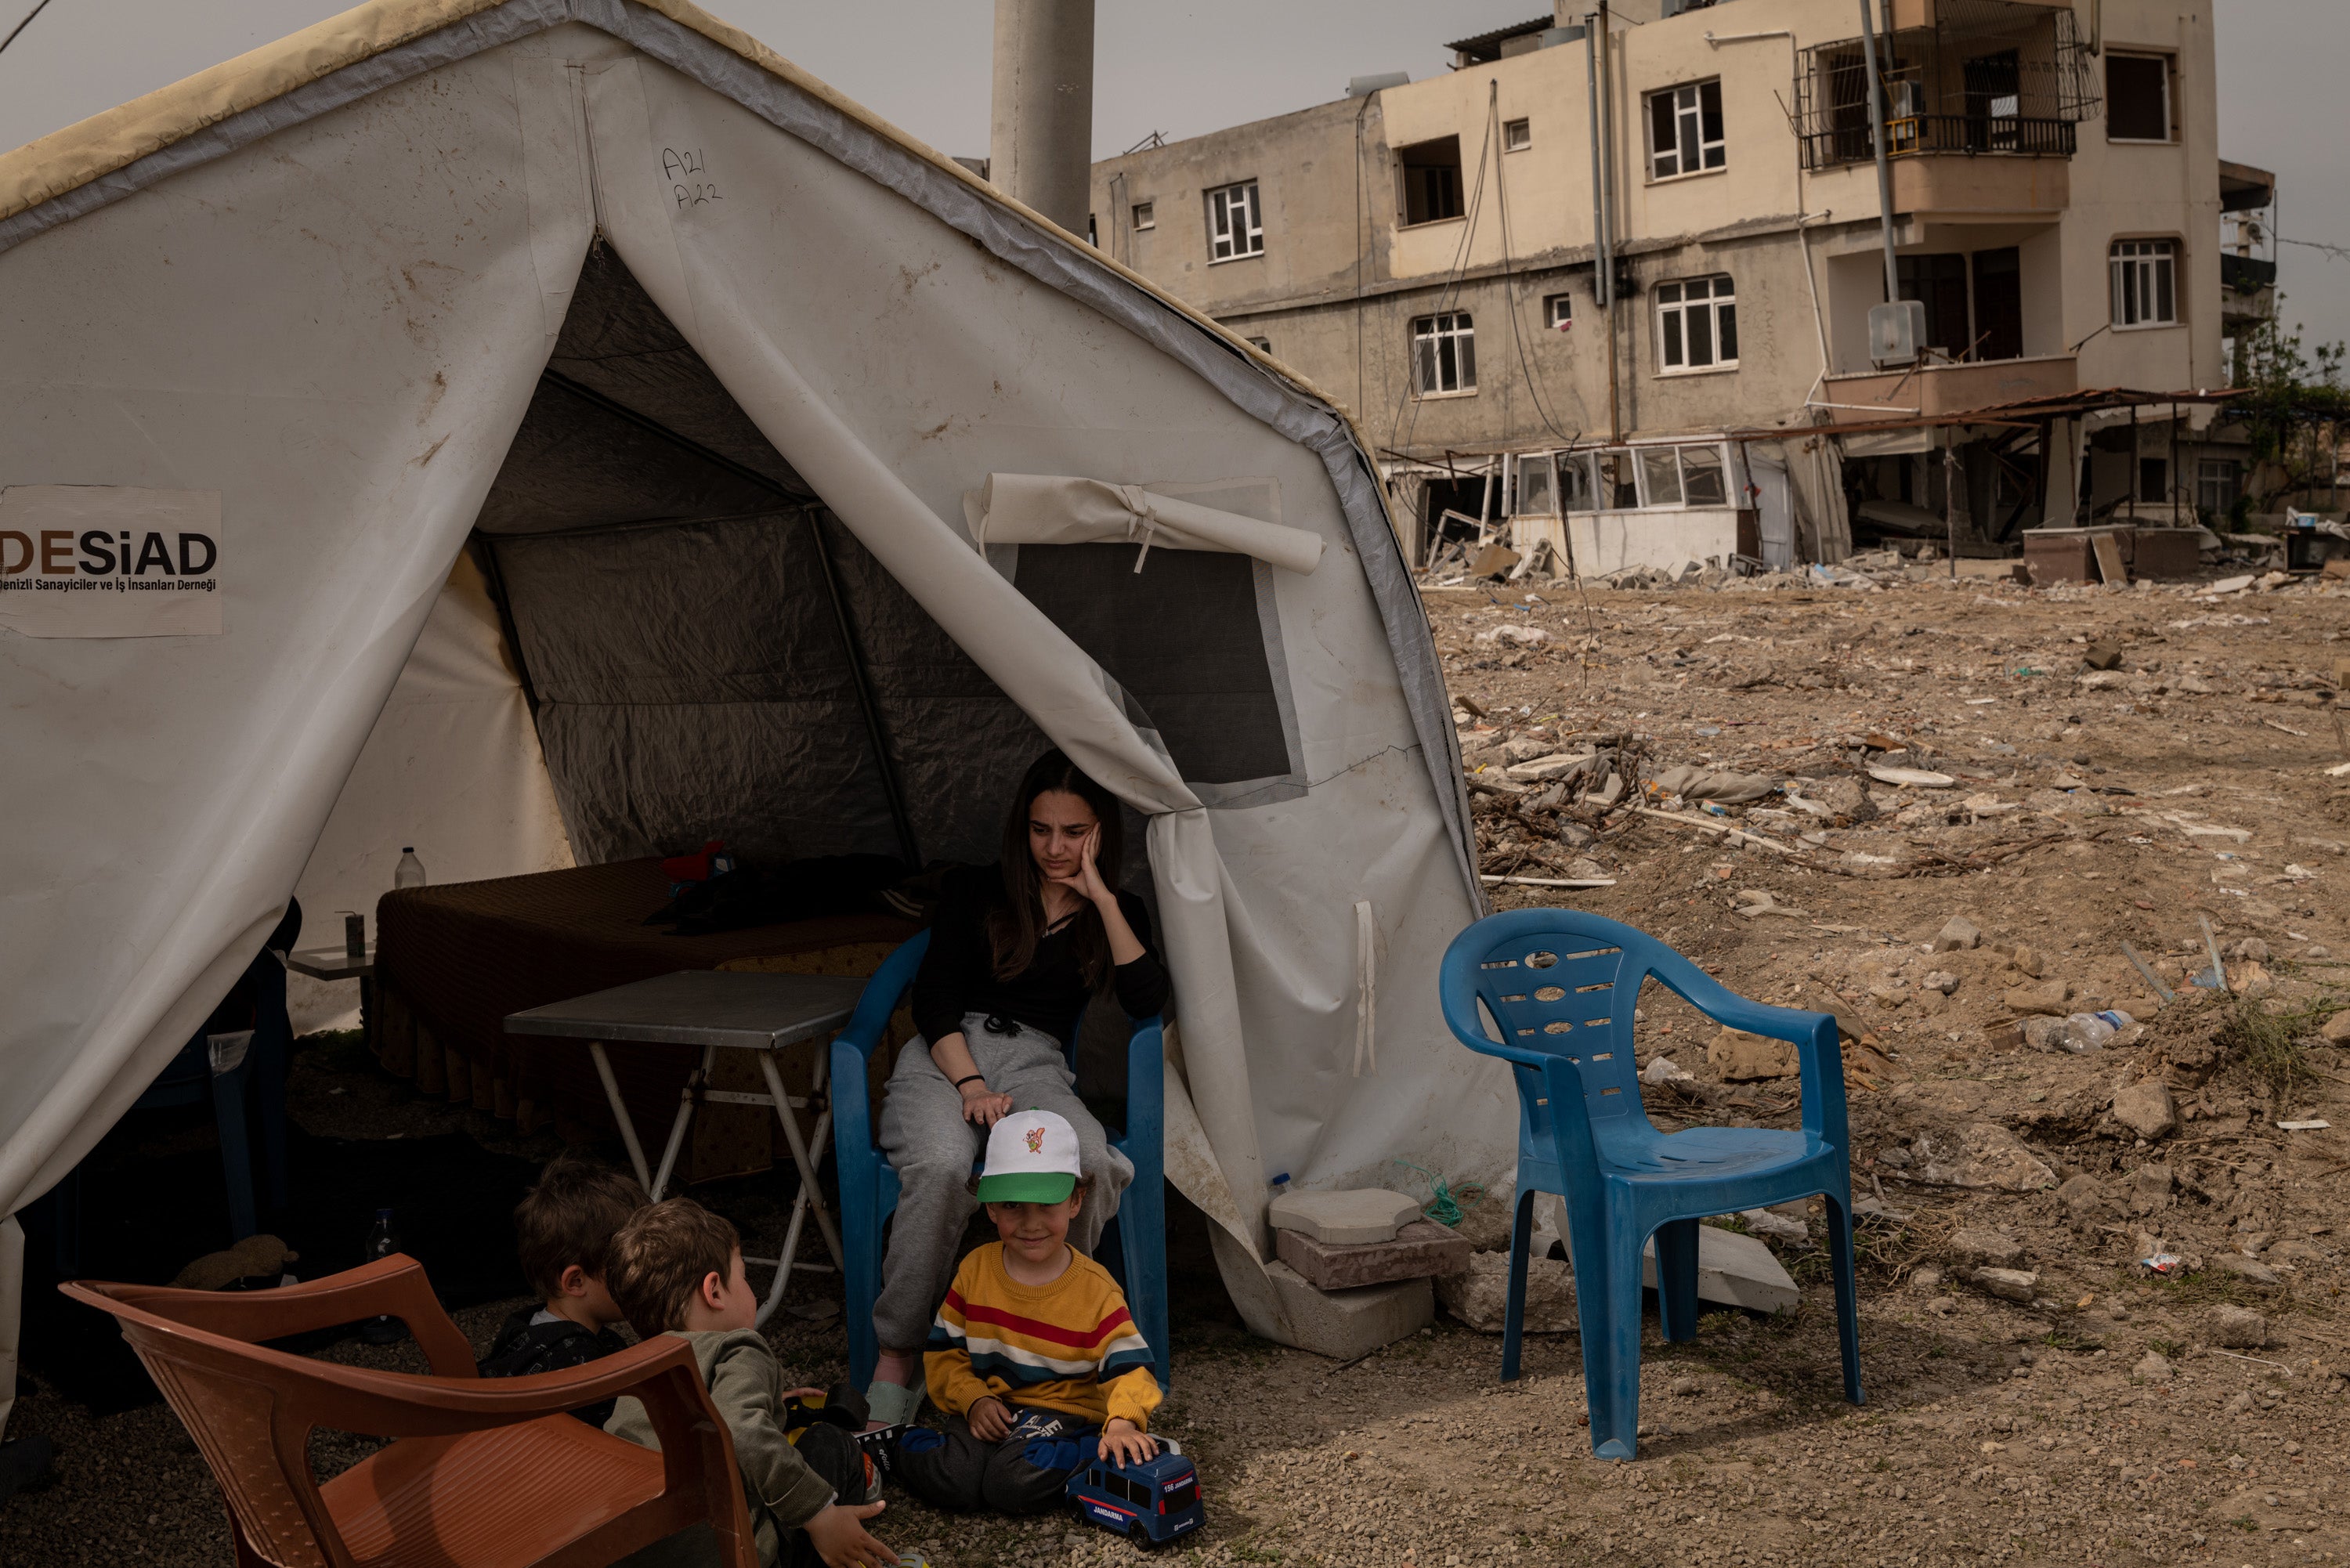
x=1027, y=1472
x=829, y=1451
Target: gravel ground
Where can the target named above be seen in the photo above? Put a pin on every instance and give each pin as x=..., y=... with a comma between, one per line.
x=2105, y=1421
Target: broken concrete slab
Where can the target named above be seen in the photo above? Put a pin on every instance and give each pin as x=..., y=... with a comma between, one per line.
x=1344, y=1324
x=2047, y=996
x=2146, y=1109
x=1479, y=1295
x=1419, y=1250
x=1733, y=1270
x=1958, y=932
x=2250, y=1270
x=1979, y=1154
x=1348, y=1218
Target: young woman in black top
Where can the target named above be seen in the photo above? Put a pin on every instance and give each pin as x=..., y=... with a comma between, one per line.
x=1016, y=952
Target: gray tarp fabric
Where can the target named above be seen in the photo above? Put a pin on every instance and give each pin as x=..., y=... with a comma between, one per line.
x=1041, y=509
x=799, y=343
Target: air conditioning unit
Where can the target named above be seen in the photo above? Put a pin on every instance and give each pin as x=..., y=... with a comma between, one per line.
x=1896, y=332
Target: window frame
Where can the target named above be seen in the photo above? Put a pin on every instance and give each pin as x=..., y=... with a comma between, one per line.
x=1143, y=217
x=1237, y=196
x=2154, y=259
x=1458, y=327
x=2169, y=63
x=1712, y=156
x=1517, y=135
x=2220, y=476
x=1406, y=169
x=1673, y=312
x=1558, y=311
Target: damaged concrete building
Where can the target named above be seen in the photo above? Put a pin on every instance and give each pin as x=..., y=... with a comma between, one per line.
x=1607, y=284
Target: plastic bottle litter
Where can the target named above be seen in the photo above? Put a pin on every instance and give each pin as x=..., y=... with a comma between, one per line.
x=382, y=1242
x=409, y=872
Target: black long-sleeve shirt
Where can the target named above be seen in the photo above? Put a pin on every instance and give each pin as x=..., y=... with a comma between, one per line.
x=958, y=973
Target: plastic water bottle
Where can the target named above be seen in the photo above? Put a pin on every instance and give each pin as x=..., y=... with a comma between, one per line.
x=409, y=872
x=382, y=1242
x=2094, y=1030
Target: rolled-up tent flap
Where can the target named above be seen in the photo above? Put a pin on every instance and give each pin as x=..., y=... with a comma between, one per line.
x=1049, y=509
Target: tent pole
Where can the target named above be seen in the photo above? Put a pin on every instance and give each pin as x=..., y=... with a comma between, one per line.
x=908, y=847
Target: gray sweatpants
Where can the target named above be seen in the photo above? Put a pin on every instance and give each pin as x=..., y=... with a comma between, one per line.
x=933, y=1148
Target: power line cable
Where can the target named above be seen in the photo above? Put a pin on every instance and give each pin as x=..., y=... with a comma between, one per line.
x=28, y=21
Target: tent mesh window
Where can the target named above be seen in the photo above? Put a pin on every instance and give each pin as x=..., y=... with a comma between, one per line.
x=1183, y=636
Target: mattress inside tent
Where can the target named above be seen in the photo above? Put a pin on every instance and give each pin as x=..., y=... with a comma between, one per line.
x=709, y=653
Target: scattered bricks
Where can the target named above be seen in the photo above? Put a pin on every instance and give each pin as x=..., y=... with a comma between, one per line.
x=2009, y=1285
x=1345, y=1324
x=1344, y=1219
x=1958, y=932
x=2146, y=1109
x=1978, y=1244
x=2235, y=1328
x=2047, y=996
x=1421, y=1249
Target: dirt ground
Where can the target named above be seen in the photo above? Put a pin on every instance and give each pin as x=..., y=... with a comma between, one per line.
x=2073, y=1407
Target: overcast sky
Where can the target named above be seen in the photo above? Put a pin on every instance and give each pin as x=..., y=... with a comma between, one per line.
x=1182, y=66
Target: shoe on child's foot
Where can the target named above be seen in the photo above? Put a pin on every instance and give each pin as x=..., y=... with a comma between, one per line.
x=891, y=1403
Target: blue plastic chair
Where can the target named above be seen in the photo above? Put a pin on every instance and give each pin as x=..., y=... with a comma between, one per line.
x=868, y=1185
x=1562, y=985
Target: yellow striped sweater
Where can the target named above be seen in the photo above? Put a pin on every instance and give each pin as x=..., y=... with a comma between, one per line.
x=1069, y=1346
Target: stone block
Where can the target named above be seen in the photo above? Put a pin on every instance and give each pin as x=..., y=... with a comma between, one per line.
x=2011, y=1284
x=1734, y=1271
x=1421, y=1251
x=1479, y=1295
x=2235, y=1328
x=1344, y=1324
x=2252, y=1271
x=1979, y=1244
x=2047, y=996
x=2336, y=1031
x=2146, y=1110
x=1958, y=932
x=1981, y=1154
x=1347, y=1219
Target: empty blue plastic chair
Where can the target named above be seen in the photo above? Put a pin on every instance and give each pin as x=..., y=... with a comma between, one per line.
x=869, y=1186
x=1561, y=985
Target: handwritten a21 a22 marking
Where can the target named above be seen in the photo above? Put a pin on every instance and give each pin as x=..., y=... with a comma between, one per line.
x=688, y=175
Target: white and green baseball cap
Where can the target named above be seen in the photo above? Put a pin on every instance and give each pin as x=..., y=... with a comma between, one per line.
x=1031, y=1157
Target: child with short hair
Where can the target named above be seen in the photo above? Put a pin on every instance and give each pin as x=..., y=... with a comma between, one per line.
x=677, y=1268
x=1034, y=1349
x=563, y=1236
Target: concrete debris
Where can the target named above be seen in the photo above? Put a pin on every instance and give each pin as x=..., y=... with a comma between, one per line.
x=2146, y=1109
x=1738, y=1057
x=1479, y=1295
x=1979, y=1154
x=1981, y=1245
x=2250, y=1269
x=1699, y=783
x=1345, y=1324
x=2047, y=996
x=2009, y=1284
x=1914, y=778
x=1733, y=1270
x=2235, y=1328
x=1958, y=932
x=1349, y=1218
x=1420, y=1250
x=1764, y=1222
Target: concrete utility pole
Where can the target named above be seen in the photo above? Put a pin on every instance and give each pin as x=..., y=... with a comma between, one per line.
x=1040, y=128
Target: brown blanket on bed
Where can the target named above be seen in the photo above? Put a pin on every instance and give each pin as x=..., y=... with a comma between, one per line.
x=461, y=957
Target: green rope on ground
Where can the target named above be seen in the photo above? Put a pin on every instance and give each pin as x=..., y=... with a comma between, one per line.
x=1446, y=1209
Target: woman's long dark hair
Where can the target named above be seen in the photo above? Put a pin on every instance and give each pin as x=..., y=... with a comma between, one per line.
x=1016, y=924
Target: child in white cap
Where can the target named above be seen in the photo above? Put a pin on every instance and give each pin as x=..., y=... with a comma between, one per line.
x=1034, y=1351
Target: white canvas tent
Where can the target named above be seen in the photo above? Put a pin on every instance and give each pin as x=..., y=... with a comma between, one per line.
x=721, y=382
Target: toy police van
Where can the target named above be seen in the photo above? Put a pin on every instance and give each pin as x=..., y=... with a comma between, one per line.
x=1155, y=1501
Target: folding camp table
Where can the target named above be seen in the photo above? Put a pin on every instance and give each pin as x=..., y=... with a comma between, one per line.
x=720, y=1010
x=337, y=964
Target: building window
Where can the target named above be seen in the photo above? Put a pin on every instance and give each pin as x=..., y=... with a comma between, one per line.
x=1517, y=135
x=1443, y=354
x=1558, y=312
x=1093, y=236
x=1261, y=344
x=2145, y=282
x=2137, y=98
x=2218, y=481
x=2153, y=481
x=1144, y=218
x=1235, y=223
x=1431, y=179
x=1685, y=131
x=1697, y=319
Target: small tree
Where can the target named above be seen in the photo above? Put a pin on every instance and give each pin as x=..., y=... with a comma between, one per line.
x=2290, y=396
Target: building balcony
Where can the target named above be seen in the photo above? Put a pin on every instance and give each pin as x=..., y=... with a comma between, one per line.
x=1936, y=390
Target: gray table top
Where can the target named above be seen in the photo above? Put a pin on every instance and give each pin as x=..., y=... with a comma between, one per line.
x=330, y=963
x=701, y=1007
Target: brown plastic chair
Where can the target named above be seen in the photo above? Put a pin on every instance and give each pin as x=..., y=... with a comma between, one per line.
x=481, y=1473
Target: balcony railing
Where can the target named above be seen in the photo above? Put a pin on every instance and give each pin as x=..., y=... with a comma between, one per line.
x=2246, y=274
x=1929, y=134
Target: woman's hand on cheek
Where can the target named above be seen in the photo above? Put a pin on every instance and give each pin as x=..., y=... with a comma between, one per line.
x=1088, y=882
